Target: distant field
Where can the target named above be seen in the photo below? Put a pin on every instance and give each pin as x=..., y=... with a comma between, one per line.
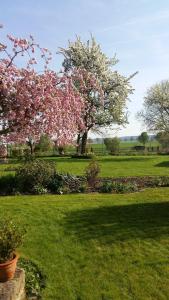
x=101, y=149
x=127, y=144
x=111, y=166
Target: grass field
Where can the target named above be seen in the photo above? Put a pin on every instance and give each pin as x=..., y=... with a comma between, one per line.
x=98, y=247
x=118, y=166
x=126, y=144
x=111, y=166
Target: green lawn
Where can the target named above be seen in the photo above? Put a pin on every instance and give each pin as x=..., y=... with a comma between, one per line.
x=98, y=247
x=111, y=166
x=115, y=166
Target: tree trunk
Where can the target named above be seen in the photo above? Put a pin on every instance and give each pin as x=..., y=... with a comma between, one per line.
x=84, y=142
x=31, y=145
x=78, y=144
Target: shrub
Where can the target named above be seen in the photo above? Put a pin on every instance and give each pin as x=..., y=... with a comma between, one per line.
x=161, y=181
x=56, y=183
x=107, y=187
x=92, y=172
x=33, y=174
x=45, y=144
x=64, y=183
x=16, y=152
x=112, y=145
x=40, y=190
x=8, y=185
x=35, y=280
x=11, y=237
x=124, y=188
x=83, y=188
x=72, y=182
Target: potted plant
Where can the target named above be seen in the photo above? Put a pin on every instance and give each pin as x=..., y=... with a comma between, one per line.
x=11, y=237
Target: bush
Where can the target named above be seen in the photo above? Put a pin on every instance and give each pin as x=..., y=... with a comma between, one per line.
x=35, y=280
x=40, y=190
x=107, y=187
x=8, y=184
x=16, y=152
x=124, y=188
x=44, y=144
x=83, y=188
x=56, y=183
x=112, y=145
x=160, y=181
x=72, y=182
x=92, y=172
x=36, y=173
x=11, y=237
x=64, y=183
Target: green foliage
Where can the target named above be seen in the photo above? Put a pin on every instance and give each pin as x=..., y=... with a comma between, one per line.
x=121, y=188
x=55, y=184
x=61, y=149
x=112, y=145
x=106, y=187
x=163, y=139
x=45, y=143
x=143, y=138
x=118, y=187
x=72, y=182
x=92, y=171
x=33, y=174
x=8, y=184
x=35, y=280
x=11, y=237
x=64, y=183
x=40, y=190
x=16, y=152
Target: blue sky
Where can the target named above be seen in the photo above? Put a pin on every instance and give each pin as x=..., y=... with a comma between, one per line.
x=137, y=31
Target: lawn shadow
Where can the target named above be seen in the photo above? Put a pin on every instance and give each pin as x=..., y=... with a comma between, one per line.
x=108, y=224
x=164, y=164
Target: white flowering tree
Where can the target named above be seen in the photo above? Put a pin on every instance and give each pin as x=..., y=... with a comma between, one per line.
x=108, y=106
x=155, y=113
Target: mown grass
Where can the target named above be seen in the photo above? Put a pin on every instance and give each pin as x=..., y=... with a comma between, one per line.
x=117, y=166
x=111, y=166
x=97, y=247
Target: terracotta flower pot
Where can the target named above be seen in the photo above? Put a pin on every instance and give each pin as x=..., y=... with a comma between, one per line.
x=7, y=269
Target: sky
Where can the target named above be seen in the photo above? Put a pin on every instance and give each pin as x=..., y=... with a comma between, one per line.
x=137, y=31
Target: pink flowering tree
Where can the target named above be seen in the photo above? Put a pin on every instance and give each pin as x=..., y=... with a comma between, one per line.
x=33, y=103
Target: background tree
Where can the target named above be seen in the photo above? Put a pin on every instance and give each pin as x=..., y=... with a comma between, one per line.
x=155, y=113
x=163, y=139
x=114, y=88
x=45, y=143
x=143, y=138
x=112, y=145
